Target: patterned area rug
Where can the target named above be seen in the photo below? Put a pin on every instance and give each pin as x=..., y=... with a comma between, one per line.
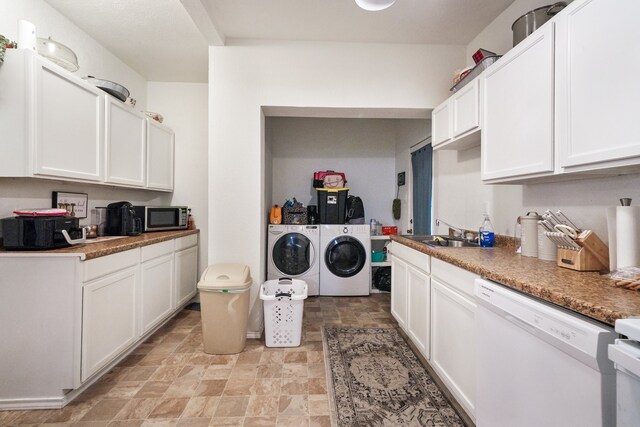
x=375, y=380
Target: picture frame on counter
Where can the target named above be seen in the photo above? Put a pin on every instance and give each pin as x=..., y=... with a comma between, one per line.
x=75, y=203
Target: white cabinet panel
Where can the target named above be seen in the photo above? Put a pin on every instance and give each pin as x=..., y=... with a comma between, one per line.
x=399, y=277
x=453, y=342
x=156, y=293
x=597, y=113
x=419, y=301
x=466, y=105
x=160, y=155
x=186, y=242
x=186, y=275
x=108, y=319
x=441, y=124
x=126, y=144
x=101, y=266
x=518, y=109
x=68, y=125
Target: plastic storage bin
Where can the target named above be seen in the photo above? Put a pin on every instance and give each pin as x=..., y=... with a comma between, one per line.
x=224, y=307
x=332, y=205
x=283, y=309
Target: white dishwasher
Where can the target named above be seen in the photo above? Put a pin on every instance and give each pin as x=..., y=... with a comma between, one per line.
x=540, y=365
x=626, y=355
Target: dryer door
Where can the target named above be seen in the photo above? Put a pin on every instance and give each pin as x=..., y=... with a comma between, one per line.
x=345, y=256
x=293, y=254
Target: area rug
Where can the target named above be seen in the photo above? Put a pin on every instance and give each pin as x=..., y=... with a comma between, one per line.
x=374, y=379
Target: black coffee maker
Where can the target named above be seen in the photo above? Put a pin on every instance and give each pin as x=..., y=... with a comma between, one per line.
x=122, y=220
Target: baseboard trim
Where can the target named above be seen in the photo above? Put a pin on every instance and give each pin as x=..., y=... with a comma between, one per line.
x=35, y=403
x=254, y=335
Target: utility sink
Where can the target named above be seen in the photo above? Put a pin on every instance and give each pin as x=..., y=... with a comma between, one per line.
x=444, y=241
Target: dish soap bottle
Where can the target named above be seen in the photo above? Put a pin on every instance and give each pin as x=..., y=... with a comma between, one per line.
x=486, y=234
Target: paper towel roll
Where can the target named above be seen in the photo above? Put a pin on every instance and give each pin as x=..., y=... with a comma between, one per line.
x=628, y=236
x=613, y=241
x=26, y=35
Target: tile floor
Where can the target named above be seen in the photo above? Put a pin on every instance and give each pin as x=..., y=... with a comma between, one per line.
x=169, y=381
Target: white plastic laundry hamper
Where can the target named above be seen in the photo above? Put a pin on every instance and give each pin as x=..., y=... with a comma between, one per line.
x=283, y=309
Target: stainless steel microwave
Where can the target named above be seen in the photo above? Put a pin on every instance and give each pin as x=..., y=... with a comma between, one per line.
x=160, y=218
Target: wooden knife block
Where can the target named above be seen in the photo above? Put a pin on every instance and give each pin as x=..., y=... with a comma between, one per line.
x=592, y=256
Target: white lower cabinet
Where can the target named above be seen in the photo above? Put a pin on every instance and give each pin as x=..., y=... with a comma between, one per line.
x=84, y=315
x=157, y=287
x=108, y=318
x=128, y=294
x=453, y=340
x=399, y=275
x=186, y=275
x=410, y=294
x=418, y=301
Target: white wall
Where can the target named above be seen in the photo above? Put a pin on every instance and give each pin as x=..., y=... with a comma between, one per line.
x=93, y=58
x=408, y=134
x=184, y=107
x=244, y=76
x=20, y=193
x=364, y=149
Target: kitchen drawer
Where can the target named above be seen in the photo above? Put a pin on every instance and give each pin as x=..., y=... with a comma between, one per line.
x=159, y=249
x=102, y=266
x=186, y=242
x=411, y=256
x=456, y=277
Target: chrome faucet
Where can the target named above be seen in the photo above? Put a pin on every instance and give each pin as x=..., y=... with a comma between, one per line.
x=457, y=231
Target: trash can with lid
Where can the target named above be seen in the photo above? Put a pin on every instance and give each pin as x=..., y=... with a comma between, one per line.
x=224, y=307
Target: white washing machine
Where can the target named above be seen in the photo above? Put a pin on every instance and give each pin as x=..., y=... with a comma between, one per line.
x=344, y=262
x=294, y=251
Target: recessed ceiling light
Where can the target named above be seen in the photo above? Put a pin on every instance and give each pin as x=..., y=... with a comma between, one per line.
x=374, y=5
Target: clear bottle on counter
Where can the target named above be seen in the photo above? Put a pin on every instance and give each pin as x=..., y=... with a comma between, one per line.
x=374, y=227
x=486, y=233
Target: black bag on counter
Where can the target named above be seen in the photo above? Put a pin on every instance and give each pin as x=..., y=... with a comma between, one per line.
x=355, y=210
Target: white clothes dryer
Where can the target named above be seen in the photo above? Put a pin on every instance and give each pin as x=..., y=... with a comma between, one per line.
x=345, y=268
x=293, y=251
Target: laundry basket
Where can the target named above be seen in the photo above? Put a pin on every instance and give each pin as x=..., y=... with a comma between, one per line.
x=283, y=309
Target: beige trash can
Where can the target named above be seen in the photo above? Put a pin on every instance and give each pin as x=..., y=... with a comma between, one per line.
x=224, y=307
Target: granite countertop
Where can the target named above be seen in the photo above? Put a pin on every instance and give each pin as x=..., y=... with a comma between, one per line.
x=590, y=294
x=108, y=245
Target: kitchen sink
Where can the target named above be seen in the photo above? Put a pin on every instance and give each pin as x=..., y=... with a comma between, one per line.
x=444, y=241
x=450, y=242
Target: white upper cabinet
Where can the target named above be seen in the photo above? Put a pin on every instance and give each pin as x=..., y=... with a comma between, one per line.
x=61, y=127
x=518, y=97
x=125, y=143
x=546, y=114
x=160, y=156
x=455, y=124
x=441, y=124
x=466, y=109
x=597, y=86
x=68, y=125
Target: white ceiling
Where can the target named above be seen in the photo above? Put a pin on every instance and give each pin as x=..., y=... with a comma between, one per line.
x=166, y=40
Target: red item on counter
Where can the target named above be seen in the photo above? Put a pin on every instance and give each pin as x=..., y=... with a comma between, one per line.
x=389, y=230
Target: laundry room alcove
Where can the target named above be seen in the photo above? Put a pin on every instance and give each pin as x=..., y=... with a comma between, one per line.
x=369, y=145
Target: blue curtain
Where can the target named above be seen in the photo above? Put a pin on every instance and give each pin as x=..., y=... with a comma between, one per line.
x=422, y=167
